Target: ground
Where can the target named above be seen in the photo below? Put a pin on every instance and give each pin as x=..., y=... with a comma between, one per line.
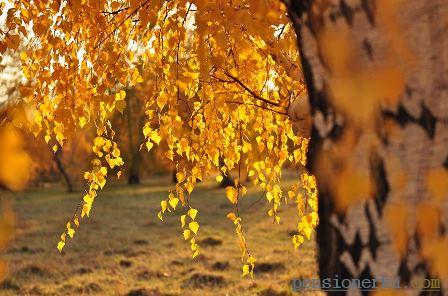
x=123, y=249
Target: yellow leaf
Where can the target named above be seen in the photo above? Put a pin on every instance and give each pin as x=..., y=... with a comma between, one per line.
x=194, y=226
x=231, y=216
x=82, y=121
x=86, y=210
x=192, y=213
x=120, y=106
x=102, y=182
x=298, y=240
x=232, y=194
x=99, y=141
x=164, y=205
x=71, y=232
x=186, y=234
x=61, y=245
x=189, y=186
x=246, y=269
x=149, y=145
x=23, y=56
x=26, y=72
x=196, y=172
x=173, y=202
x=147, y=130
x=116, y=152
x=180, y=177
x=156, y=138
x=119, y=96
x=182, y=220
x=103, y=171
x=219, y=178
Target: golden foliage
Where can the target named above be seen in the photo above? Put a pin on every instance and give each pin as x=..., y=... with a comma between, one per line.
x=217, y=78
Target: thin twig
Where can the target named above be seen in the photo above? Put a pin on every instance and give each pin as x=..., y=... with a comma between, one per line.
x=251, y=91
x=121, y=23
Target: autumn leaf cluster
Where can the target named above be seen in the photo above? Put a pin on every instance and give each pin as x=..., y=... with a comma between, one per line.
x=217, y=78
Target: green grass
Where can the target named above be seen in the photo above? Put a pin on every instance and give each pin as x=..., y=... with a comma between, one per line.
x=124, y=247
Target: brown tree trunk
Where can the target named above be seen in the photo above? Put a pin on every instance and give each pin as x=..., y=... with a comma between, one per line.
x=408, y=137
x=131, y=118
x=57, y=157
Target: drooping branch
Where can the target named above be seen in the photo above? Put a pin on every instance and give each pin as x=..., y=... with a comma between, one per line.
x=235, y=79
x=120, y=24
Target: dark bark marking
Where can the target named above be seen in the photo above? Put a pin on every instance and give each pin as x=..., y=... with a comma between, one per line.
x=422, y=269
x=374, y=243
x=325, y=234
x=333, y=16
x=402, y=117
x=336, y=132
x=369, y=8
x=427, y=121
x=442, y=230
x=356, y=248
x=408, y=90
x=416, y=238
x=347, y=12
x=380, y=181
x=366, y=274
x=368, y=47
x=445, y=163
x=404, y=272
x=313, y=149
x=308, y=74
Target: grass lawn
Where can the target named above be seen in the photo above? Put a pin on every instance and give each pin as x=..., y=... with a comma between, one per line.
x=123, y=249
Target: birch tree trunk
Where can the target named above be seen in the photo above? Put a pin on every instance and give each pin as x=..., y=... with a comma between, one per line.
x=398, y=142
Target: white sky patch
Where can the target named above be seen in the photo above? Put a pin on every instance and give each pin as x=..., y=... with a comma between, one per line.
x=270, y=83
